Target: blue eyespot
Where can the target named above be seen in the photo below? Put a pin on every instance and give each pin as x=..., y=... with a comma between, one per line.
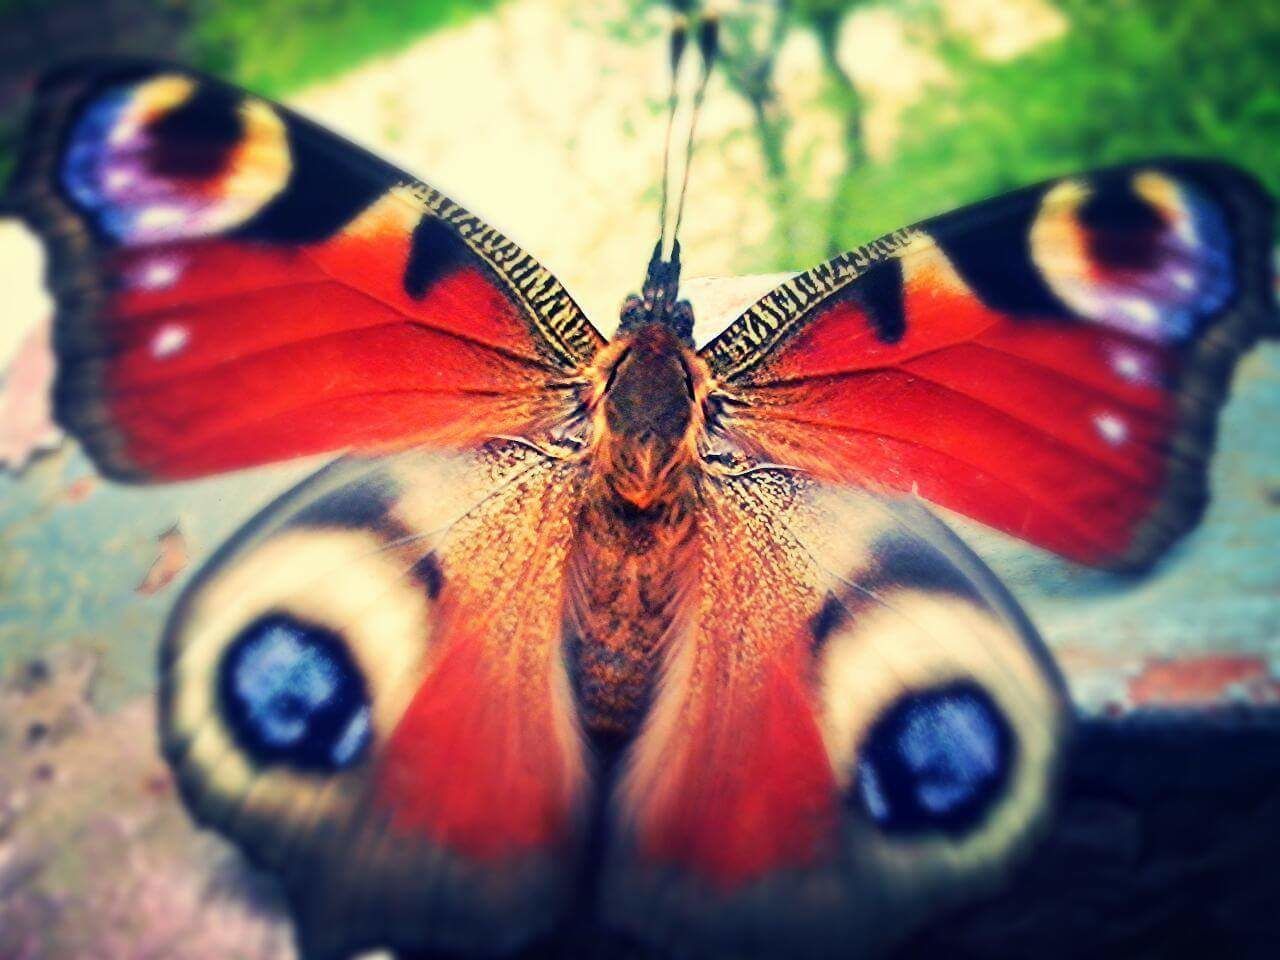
x=935, y=762
x=292, y=695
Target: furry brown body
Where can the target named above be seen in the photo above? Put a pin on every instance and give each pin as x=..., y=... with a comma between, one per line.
x=637, y=547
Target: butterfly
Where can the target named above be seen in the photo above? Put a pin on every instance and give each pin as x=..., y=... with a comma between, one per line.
x=629, y=634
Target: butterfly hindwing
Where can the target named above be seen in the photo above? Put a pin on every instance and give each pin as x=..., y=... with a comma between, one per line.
x=855, y=729
x=363, y=690
x=235, y=285
x=1051, y=362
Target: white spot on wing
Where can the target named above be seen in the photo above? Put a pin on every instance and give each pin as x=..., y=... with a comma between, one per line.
x=1132, y=366
x=169, y=340
x=1111, y=428
x=158, y=274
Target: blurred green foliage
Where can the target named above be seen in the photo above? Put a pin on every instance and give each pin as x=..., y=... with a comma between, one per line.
x=1129, y=79
x=274, y=45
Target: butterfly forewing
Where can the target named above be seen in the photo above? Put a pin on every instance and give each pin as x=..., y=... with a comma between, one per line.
x=1051, y=362
x=237, y=286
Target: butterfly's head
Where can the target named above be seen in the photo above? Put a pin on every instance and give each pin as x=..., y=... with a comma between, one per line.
x=658, y=301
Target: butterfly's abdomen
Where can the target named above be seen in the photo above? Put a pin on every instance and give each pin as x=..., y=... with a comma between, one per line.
x=626, y=583
x=634, y=551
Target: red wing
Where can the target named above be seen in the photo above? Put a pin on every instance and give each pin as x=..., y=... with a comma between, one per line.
x=496, y=702
x=854, y=730
x=236, y=286
x=364, y=690
x=730, y=778
x=1051, y=363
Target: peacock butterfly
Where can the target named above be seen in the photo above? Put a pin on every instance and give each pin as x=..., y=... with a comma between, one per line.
x=633, y=634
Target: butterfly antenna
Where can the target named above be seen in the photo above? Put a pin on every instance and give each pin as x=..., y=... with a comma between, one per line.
x=708, y=46
x=679, y=40
x=659, y=297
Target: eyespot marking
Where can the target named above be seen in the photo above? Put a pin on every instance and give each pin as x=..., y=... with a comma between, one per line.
x=196, y=140
x=935, y=762
x=1147, y=254
x=1122, y=231
x=170, y=158
x=292, y=695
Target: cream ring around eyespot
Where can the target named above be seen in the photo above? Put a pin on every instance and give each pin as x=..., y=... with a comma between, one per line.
x=340, y=579
x=1057, y=245
x=917, y=641
x=152, y=99
x=1166, y=197
x=261, y=164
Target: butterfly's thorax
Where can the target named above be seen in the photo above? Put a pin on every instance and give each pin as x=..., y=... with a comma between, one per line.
x=647, y=417
x=636, y=544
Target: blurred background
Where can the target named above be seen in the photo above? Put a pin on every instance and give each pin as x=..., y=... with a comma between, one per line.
x=829, y=122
